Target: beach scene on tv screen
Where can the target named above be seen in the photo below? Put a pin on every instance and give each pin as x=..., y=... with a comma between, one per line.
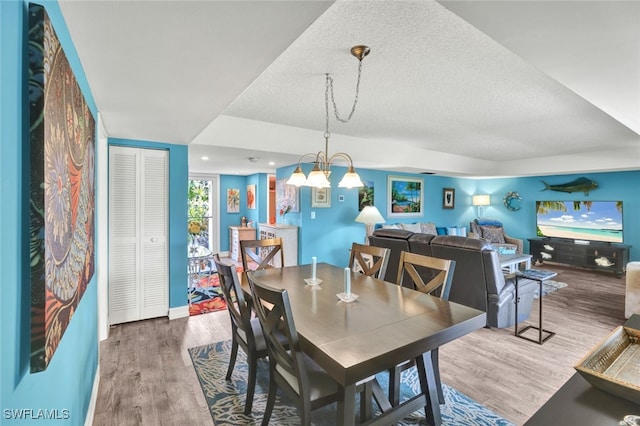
x=581, y=220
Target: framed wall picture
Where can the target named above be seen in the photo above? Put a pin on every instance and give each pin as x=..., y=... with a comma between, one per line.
x=405, y=197
x=448, y=198
x=62, y=194
x=365, y=195
x=251, y=197
x=321, y=197
x=233, y=200
x=287, y=196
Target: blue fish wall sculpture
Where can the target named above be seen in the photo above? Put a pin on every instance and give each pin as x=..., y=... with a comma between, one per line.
x=579, y=185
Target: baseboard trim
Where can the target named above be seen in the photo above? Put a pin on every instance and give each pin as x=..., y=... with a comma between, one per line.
x=91, y=411
x=179, y=312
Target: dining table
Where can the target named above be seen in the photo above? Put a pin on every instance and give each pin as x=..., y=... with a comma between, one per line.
x=386, y=325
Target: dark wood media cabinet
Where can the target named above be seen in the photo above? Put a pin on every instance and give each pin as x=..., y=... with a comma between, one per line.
x=593, y=255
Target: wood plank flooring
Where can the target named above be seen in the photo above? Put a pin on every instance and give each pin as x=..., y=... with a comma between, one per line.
x=146, y=376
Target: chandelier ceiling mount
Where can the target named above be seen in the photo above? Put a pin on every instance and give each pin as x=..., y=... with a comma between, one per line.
x=319, y=175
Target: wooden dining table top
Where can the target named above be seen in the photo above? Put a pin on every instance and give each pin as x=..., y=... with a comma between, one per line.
x=386, y=325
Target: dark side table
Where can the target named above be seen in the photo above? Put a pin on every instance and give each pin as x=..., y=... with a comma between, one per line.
x=540, y=276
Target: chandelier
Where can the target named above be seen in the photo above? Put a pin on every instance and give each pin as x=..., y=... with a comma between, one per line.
x=319, y=175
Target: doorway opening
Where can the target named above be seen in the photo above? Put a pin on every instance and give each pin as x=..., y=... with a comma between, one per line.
x=203, y=224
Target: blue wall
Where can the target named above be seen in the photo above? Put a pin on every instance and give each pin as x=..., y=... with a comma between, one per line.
x=330, y=234
x=67, y=382
x=612, y=186
x=257, y=215
x=178, y=194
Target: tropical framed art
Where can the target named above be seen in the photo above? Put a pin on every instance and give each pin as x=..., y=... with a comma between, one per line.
x=405, y=197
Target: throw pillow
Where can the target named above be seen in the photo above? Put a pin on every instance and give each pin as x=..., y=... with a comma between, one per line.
x=506, y=250
x=485, y=221
x=441, y=230
x=493, y=233
x=393, y=226
x=428, y=228
x=413, y=227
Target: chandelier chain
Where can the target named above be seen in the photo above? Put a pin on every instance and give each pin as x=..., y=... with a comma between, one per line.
x=333, y=99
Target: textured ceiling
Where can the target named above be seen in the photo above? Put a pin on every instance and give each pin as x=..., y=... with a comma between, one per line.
x=457, y=88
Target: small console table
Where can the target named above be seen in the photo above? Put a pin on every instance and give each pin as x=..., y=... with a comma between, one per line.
x=594, y=255
x=577, y=402
x=540, y=276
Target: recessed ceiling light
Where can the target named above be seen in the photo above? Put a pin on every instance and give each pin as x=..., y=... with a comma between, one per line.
x=272, y=163
x=204, y=157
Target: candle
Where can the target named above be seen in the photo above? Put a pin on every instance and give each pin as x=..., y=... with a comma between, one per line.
x=314, y=261
x=347, y=281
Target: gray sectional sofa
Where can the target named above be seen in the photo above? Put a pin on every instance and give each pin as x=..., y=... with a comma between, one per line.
x=478, y=280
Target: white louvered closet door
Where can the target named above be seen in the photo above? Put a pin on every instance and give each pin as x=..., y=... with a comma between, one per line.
x=138, y=272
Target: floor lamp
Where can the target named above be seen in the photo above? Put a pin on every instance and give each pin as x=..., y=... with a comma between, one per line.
x=369, y=215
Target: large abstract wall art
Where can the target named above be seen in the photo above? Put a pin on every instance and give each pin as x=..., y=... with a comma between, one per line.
x=62, y=190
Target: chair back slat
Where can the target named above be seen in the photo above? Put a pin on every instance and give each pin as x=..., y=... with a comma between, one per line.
x=410, y=266
x=237, y=305
x=274, y=312
x=369, y=260
x=262, y=252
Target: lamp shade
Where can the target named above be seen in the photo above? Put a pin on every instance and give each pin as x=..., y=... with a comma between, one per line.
x=297, y=178
x=481, y=200
x=370, y=215
x=317, y=178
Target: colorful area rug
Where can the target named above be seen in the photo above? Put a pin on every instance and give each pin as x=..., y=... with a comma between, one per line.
x=207, y=295
x=226, y=398
x=548, y=287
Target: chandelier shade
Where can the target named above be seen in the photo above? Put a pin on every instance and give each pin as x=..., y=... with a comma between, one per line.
x=319, y=175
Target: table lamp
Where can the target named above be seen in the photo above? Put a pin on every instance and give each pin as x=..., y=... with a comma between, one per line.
x=369, y=216
x=481, y=201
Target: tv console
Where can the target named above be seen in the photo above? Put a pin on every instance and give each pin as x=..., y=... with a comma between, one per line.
x=593, y=255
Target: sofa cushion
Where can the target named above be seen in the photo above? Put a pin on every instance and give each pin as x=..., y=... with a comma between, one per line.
x=413, y=227
x=428, y=228
x=461, y=242
x=494, y=234
x=392, y=233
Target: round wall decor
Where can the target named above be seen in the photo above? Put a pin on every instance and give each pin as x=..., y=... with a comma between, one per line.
x=512, y=201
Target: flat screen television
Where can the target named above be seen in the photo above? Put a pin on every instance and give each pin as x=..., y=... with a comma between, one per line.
x=580, y=220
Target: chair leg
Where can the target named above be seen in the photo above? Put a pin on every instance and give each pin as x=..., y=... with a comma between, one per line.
x=305, y=413
x=424, y=365
x=271, y=400
x=436, y=374
x=232, y=357
x=252, y=361
x=394, y=385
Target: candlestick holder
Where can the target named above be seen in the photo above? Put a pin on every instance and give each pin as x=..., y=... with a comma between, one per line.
x=347, y=298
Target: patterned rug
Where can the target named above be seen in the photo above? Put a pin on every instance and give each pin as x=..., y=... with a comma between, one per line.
x=207, y=295
x=548, y=286
x=226, y=399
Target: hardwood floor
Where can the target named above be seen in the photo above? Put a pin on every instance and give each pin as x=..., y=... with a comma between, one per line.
x=146, y=376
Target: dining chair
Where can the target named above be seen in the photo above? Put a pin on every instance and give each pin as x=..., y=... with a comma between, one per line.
x=440, y=271
x=290, y=369
x=369, y=260
x=246, y=331
x=266, y=253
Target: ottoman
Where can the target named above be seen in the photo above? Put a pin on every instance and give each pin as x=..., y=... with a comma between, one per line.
x=632, y=294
